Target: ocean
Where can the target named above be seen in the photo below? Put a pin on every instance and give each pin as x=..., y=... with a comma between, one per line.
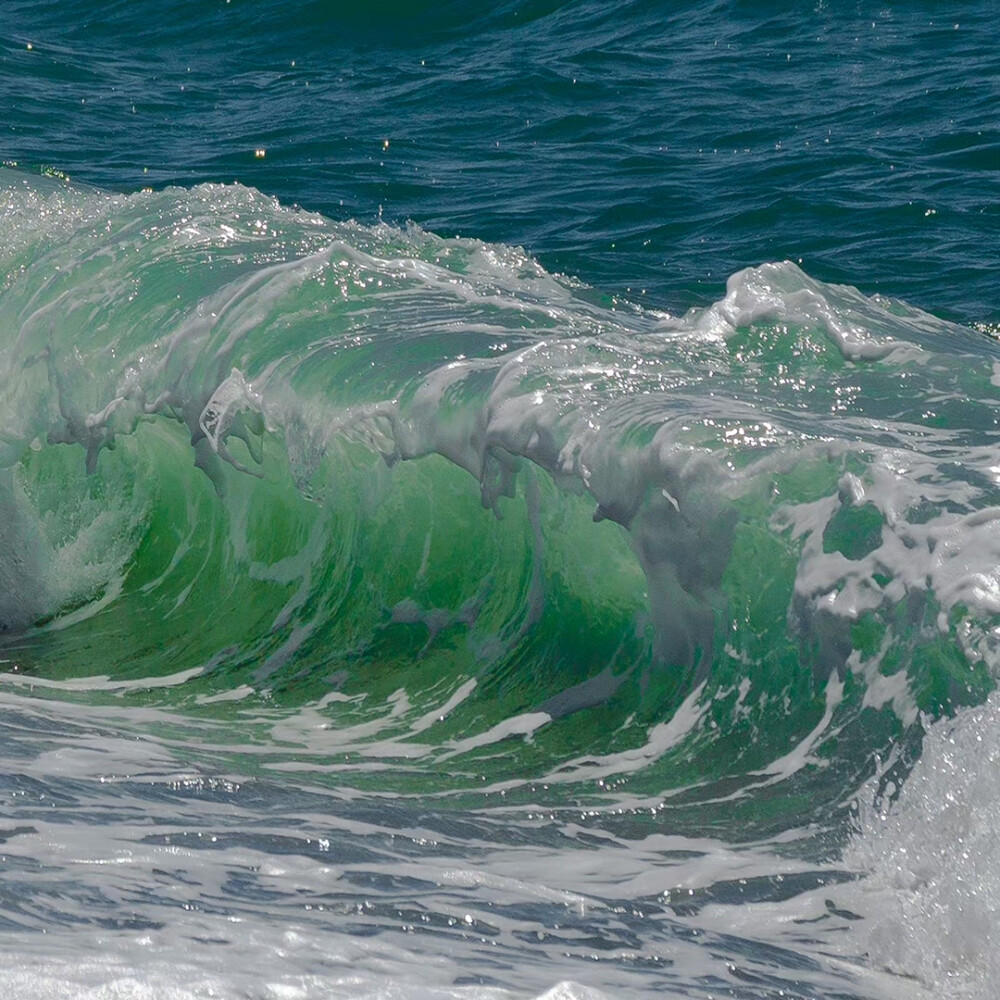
x=499, y=503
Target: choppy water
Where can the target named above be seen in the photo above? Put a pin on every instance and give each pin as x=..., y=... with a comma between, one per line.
x=600, y=602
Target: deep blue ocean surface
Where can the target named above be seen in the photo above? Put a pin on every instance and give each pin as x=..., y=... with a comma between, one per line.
x=650, y=149
x=499, y=502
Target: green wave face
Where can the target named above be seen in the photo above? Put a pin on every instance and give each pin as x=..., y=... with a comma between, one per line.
x=369, y=507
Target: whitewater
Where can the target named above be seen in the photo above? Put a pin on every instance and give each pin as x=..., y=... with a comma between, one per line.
x=385, y=615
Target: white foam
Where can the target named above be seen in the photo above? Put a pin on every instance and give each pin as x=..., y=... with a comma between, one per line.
x=858, y=326
x=65, y=554
x=659, y=739
x=931, y=892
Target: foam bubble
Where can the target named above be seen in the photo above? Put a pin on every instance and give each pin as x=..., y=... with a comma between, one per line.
x=59, y=556
x=931, y=896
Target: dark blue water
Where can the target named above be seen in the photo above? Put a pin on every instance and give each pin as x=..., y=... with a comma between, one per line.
x=650, y=149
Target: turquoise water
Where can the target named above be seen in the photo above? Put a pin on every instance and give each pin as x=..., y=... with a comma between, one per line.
x=498, y=505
